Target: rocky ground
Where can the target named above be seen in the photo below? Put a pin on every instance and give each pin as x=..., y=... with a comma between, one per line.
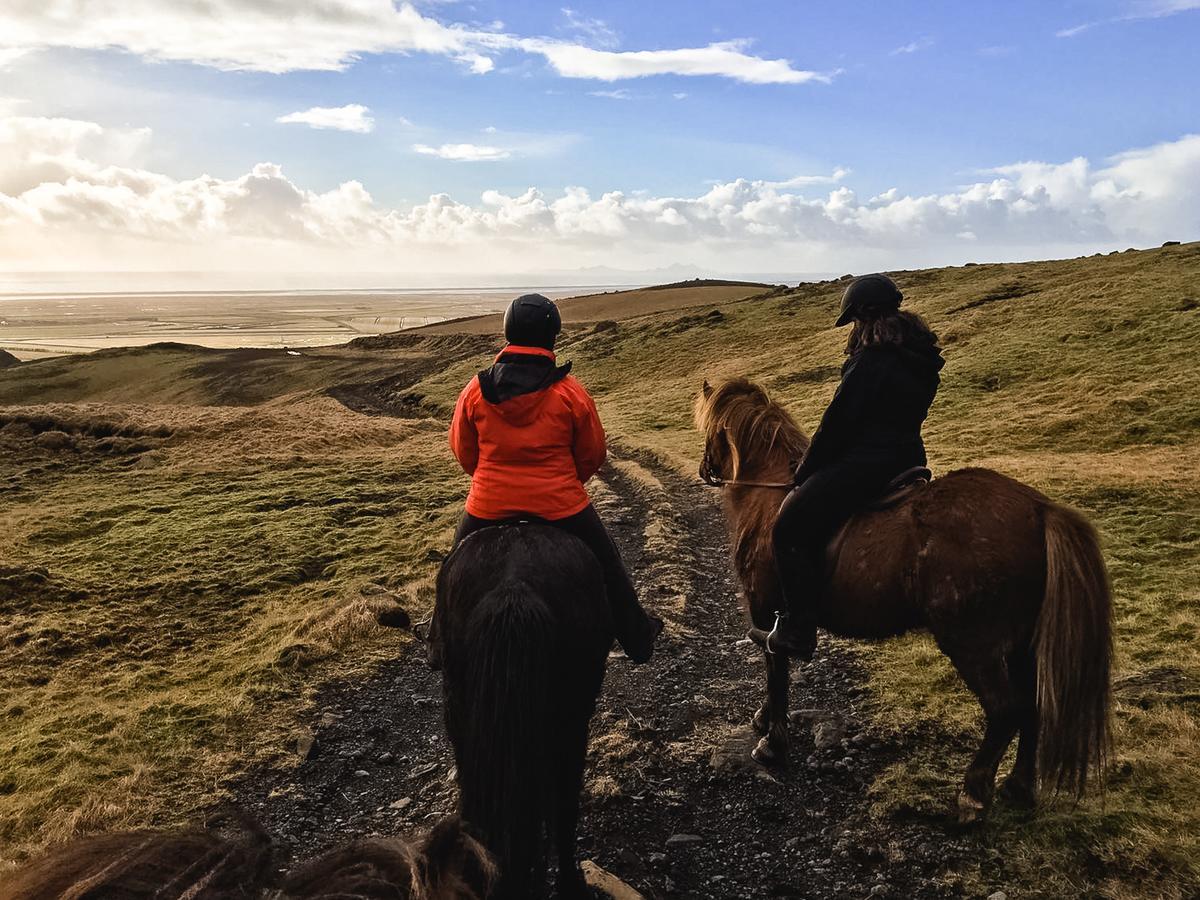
x=673, y=806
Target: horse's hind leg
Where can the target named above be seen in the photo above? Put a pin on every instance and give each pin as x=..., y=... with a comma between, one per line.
x=1020, y=787
x=772, y=750
x=988, y=677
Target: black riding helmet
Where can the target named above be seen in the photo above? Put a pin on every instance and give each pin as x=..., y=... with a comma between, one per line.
x=868, y=292
x=532, y=321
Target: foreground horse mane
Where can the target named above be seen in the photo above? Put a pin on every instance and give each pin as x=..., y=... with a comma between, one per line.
x=191, y=864
x=198, y=864
x=449, y=865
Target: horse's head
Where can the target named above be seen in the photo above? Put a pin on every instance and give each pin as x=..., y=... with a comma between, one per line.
x=716, y=447
x=744, y=430
x=716, y=463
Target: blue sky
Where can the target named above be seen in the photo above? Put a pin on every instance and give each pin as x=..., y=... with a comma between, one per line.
x=922, y=99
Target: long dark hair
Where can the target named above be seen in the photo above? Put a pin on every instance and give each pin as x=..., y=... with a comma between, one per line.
x=898, y=327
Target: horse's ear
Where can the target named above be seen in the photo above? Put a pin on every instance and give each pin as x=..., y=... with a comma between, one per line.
x=708, y=389
x=451, y=855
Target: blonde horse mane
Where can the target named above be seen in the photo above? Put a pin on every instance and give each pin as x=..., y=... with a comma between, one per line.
x=762, y=439
x=758, y=431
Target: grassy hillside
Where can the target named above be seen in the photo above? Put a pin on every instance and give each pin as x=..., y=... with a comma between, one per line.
x=621, y=304
x=239, y=510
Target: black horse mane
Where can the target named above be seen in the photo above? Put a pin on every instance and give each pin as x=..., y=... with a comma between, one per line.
x=527, y=630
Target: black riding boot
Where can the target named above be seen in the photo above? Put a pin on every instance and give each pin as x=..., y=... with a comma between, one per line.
x=636, y=629
x=795, y=631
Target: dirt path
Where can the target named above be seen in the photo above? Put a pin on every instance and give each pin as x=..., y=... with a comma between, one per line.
x=672, y=806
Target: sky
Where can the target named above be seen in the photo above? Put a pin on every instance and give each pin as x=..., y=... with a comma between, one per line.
x=474, y=137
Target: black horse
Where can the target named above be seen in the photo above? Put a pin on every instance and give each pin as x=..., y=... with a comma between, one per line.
x=526, y=633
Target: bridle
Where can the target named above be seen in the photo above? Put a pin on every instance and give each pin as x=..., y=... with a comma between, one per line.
x=713, y=480
x=718, y=482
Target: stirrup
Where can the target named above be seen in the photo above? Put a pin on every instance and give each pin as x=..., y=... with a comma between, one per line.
x=779, y=617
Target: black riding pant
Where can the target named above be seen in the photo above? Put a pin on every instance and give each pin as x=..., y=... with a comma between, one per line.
x=809, y=518
x=629, y=618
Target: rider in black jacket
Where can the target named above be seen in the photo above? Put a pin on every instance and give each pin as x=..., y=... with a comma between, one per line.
x=870, y=433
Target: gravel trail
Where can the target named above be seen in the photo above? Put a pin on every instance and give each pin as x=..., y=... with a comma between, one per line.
x=672, y=805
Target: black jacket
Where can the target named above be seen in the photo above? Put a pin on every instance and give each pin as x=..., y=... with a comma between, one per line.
x=876, y=414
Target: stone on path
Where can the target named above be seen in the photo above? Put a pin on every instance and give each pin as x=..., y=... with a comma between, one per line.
x=306, y=744
x=733, y=753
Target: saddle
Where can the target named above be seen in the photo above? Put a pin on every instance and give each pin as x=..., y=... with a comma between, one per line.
x=897, y=491
x=899, y=488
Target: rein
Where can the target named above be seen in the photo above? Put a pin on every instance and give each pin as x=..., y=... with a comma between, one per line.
x=717, y=482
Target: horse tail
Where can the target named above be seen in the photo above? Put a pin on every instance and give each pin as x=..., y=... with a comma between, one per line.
x=1073, y=645
x=504, y=769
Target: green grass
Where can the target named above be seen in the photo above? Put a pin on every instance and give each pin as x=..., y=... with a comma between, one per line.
x=241, y=549
x=161, y=627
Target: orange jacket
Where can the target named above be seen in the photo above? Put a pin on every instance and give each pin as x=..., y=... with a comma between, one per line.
x=530, y=454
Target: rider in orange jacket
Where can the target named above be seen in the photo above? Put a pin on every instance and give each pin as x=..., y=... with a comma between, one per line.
x=529, y=436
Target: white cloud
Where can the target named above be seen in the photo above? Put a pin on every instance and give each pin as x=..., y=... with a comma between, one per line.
x=77, y=188
x=275, y=36
x=913, y=46
x=680, y=95
x=618, y=94
x=9, y=55
x=727, y=59
x=1137, y=11
x=353, y=117
x=257, y=35
x=594, y=32
x=806, y=180
x=1076, y=29
x=464, y=152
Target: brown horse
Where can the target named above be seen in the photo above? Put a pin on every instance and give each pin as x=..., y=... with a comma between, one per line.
x=1012, y=586
x=201, y=864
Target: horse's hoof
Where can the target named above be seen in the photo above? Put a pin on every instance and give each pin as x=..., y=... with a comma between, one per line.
x=970, y=811
x=759, y=723
x=1018, y=793
x=765, y=754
